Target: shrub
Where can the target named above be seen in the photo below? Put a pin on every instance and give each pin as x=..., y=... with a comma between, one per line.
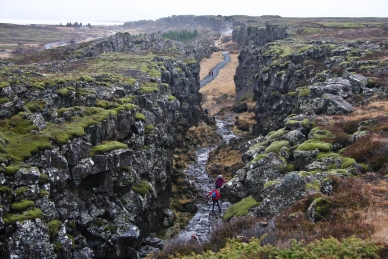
x=351, y=247
x=349, y=196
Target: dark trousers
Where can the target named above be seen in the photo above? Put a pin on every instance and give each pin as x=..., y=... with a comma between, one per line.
x=216, y=202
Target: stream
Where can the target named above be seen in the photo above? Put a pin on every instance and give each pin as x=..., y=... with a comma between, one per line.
x=205, y=220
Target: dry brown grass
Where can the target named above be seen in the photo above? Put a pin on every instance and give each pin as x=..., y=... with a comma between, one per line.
x=377, y=213
x=222, y=86
x=209, y=63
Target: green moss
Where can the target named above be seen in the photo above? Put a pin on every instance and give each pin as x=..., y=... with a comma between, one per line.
x=322, y=207
x=305, y=123
x=327, y=154
x=43, y=193
x=53, y=227
x=10, y=218
x=98, y=222
x=246, y=97
x=303, y=92
x=171, y=98
x=4, y=84
x=111, y=228
x=72, y=241
x=276, y=134
x=11, y=169
x=5, y=189
x=291, y=94
x=34, y=106
x=270, y=183
x=313, y=144
x=265, y=70
x=107, y=147
x=140, y=116
x=43, y=178
x=57, y=246
x=315, y=185
x=142, y=188
x=318, y=133
x=66, y=91
x=276, y=146
x=347, y=162
x=21, y=206
x=290, y=167
x=305, y=48
x=4, y=100
x=20, y=191
x=258, y=157
x=338, y=171
x=149, y=88
x=149, y=128
x=240, y=208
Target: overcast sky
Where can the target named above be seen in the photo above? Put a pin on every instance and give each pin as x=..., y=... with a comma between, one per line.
x=130, y=10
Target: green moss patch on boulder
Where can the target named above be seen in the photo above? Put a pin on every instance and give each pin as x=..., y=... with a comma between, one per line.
x=276, y=146
x=313, y=144
x=240, y=208
x=10, y=218
x=107, y=146
x=142, y=188
x=53, y=227
x=21, y=206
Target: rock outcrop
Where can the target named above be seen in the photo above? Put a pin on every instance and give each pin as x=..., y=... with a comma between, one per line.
x=86, y=161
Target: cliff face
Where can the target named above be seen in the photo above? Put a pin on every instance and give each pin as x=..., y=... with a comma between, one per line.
x=251, y=40
x=303, y=89
x=87, y=145
x=292, y=76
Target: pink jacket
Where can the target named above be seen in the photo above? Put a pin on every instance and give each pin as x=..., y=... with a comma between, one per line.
x=219, y=182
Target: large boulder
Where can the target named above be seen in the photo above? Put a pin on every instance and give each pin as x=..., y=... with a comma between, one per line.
x=286, y=193
x=267, y=168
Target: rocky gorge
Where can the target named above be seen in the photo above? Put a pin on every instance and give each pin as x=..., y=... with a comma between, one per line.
x=87, y=159
x=95, y=137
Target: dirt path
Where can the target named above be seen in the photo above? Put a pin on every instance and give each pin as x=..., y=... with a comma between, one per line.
x=221, y=91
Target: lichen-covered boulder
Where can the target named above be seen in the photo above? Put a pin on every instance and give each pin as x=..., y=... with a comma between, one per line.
x=268, y=167
x=287, y=192
x=233, y=190
x=30, y=239
x=295, y=137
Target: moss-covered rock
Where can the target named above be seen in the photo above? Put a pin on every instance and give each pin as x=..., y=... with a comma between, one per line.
x=240, y=208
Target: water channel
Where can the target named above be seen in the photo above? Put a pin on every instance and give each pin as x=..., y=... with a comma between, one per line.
x=205, y=219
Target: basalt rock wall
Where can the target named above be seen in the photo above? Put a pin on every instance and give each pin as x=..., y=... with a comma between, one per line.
x=251, y=40
x=101, y=184
x=289, y=76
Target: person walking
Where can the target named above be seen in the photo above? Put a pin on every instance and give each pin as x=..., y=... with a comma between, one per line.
x=219, y=182
x=212, y=73
x=215, y=195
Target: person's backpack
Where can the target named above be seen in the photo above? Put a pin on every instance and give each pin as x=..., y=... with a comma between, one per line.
x=214, y=195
